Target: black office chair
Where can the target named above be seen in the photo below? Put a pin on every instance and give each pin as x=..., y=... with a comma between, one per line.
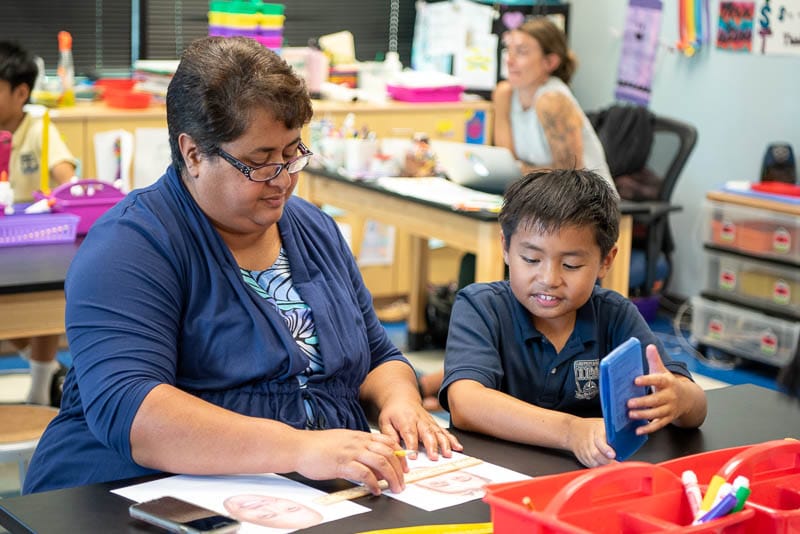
x=671, y=143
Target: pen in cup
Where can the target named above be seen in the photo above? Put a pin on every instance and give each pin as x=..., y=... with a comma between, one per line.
x=692, y=489
x=725, y=504
x=741, y=488
x=711, y=493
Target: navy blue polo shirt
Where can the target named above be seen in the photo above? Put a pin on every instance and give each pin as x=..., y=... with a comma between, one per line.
x=492, y=340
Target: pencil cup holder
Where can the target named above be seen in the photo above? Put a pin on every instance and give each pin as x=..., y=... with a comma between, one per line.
x=358, y=154
x=332, y=152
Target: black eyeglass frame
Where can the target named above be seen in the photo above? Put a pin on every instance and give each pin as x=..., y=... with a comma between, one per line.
x=247, y=170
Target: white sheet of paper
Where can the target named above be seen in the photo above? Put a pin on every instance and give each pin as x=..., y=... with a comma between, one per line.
x=441, y=191
x=377, y=246
x=110, y=165
x=476, y=65
x=152, y=155
x=296, y=508
x=447, y=30
x=456, y=487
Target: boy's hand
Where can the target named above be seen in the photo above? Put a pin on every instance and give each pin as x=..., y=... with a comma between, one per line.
x=663, y=404
x=587, y=441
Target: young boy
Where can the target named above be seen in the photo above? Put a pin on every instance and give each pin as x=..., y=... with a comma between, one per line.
x=18, y=73
x=523, y=355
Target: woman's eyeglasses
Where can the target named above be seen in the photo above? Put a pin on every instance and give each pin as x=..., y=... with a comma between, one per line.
x=270, y=171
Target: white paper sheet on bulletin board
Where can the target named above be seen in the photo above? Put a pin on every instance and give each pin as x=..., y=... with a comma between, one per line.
x=777, y=27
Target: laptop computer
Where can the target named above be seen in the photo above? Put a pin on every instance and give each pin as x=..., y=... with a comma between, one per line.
x=482, y=167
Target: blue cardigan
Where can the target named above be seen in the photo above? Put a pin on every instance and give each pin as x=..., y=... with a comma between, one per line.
x=154, y=296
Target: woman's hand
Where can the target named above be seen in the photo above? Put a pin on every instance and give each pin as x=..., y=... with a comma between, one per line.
x=408, y=421
x=392, y=387
x=361, y=457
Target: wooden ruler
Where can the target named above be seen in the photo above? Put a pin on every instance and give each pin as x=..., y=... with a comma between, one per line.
x=413, y=476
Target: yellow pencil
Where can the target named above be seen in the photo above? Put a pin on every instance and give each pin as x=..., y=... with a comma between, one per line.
x=44, y=169
x=402, y=453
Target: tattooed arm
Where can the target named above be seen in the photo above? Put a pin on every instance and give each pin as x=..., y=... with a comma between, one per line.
x=561, y=121
x=501, y=97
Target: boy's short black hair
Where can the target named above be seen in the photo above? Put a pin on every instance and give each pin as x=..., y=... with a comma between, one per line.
x=547, y=201
x=17, y=65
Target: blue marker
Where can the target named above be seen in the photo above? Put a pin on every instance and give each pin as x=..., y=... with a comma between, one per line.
x=722, y=508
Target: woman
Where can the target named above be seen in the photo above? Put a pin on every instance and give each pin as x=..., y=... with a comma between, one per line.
x=215, y=319
x=536, y=115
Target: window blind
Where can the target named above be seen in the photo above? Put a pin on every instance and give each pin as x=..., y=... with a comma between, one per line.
x=168, y=26
x=101, y=31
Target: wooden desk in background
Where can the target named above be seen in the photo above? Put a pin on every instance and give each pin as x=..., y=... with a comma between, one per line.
x=440, y=120
x=32, y=289
x=476, y=232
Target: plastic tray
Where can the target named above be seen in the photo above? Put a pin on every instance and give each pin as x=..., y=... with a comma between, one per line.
x=37, y=229
x=87, y=207
x=629, y=497
x=425, y=94
x=124, y=99
x=773, y=468
x=634, y=497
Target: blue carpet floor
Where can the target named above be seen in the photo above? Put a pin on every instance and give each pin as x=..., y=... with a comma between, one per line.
x=14, y=361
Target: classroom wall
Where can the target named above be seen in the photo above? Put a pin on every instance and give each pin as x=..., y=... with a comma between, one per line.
x=739, y=103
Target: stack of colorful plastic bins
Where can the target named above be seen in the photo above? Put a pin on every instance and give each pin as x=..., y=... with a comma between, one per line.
x=258, y=20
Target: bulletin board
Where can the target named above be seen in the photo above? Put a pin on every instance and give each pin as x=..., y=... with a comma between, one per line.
x=440, y=25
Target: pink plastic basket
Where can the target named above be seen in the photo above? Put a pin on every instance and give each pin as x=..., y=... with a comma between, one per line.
x=450, y=93
x=96, y=199
x=38, y=229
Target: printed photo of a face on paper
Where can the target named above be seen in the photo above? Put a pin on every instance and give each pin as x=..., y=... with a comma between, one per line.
x=455, y=487
x=265, y=503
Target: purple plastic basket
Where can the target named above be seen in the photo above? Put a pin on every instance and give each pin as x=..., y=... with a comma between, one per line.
x=37, y=229
x=96, y=199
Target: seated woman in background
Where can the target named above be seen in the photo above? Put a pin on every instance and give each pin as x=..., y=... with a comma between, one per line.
x=219, y=324
x=536, y=115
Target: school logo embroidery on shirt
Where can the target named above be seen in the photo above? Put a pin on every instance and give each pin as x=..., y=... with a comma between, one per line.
x=587, y=373
x=29, y=163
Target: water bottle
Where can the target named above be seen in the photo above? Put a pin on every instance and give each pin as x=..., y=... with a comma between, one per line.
x=66, y=69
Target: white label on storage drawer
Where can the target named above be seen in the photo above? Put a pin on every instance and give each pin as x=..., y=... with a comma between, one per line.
x=769, y=343
x=781, y=240
x=727, y=279
x=716, y=327
x=782, y=292
x=728, y=232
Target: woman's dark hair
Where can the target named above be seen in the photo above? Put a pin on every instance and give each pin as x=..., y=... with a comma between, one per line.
x=553, y=41
x=217, y=85
x=547, y=201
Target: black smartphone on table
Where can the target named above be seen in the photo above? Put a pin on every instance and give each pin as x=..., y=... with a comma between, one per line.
x=176, y=515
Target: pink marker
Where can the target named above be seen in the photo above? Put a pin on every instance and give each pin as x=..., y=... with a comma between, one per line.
x=692, y=490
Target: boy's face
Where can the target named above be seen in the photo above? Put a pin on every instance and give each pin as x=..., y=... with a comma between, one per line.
x=553, y=275
x=11, y=102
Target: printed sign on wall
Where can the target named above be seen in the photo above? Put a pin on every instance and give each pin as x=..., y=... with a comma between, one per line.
x=736, y=26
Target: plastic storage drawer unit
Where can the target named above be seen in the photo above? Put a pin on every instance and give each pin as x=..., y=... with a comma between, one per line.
x=753, y=231
x=743, y=332
x=755, y=282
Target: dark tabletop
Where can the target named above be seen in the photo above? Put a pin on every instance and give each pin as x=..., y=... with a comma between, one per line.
x=627, y=207
x=738, y=415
